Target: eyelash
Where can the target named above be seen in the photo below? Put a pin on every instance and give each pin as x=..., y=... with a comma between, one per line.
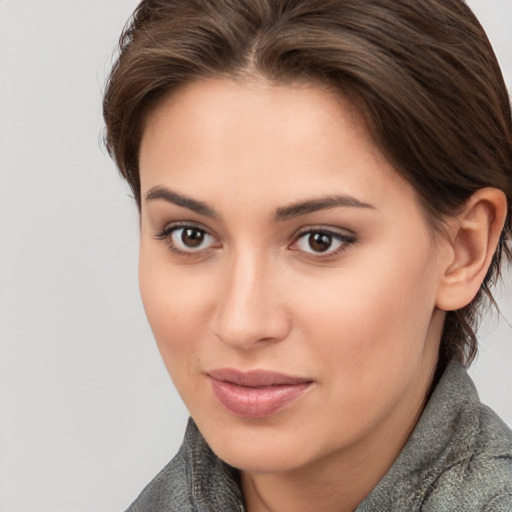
x=345, y=240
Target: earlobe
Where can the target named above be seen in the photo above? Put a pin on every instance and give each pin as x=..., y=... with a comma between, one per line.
x=473, y=237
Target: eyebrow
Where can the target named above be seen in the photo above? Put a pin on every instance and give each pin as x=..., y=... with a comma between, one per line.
x=282, y=214
x=180, y=200
x=314, y=205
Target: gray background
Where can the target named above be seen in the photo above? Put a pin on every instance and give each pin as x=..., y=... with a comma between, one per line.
x=87, y=412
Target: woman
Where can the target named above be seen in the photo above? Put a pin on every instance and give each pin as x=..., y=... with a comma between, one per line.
x=325, y=192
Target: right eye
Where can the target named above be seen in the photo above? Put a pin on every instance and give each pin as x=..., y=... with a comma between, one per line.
x=188, y=239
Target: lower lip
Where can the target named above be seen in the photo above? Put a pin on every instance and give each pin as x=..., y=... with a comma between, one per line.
x=256, y=402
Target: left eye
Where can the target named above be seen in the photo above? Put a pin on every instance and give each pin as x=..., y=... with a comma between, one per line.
x=190, y=239
x=322, y=242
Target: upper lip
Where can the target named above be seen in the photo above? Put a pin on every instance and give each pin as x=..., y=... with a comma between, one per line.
x=256, y=378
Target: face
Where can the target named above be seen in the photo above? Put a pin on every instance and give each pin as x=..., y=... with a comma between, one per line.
x=287, y=271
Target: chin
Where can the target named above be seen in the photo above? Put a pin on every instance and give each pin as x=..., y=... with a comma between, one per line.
x=262, y=459
x=260, y=448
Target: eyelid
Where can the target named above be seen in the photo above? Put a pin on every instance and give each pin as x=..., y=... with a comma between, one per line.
x=323, y=228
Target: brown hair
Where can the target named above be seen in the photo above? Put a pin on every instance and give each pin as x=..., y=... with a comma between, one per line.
x=423, y=74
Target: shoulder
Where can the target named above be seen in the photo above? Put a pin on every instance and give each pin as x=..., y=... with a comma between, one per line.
x=195, y=480
x=477, y=471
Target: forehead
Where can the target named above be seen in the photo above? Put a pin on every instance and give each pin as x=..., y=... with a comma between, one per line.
x=251, y=139
x=245, y=105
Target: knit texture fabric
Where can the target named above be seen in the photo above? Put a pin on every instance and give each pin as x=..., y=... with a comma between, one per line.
x=458, y=459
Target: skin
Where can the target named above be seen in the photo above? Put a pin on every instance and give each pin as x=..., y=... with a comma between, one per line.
x=360, y=320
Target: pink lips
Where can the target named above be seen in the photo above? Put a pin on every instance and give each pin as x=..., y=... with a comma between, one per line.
x=255, y=394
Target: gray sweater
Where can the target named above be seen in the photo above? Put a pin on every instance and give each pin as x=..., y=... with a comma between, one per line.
x=458, y=459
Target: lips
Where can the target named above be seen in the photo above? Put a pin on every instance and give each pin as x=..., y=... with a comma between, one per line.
x=257, y=393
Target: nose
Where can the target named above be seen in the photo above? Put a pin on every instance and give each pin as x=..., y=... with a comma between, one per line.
x=250, y=310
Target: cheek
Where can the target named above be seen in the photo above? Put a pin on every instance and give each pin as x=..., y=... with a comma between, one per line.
x=368, y=336
x=361, y=318
x=176, y=305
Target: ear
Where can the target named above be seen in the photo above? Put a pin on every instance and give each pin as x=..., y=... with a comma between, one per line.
x=472, y=240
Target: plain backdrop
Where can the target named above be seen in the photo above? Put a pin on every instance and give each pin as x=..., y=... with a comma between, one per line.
x=88, y=414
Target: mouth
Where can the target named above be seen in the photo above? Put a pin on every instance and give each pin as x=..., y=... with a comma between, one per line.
x=258, y=393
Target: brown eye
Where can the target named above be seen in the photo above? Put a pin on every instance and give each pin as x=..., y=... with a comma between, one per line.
x=192, y=237
x=320, y=242
x=188, y=239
